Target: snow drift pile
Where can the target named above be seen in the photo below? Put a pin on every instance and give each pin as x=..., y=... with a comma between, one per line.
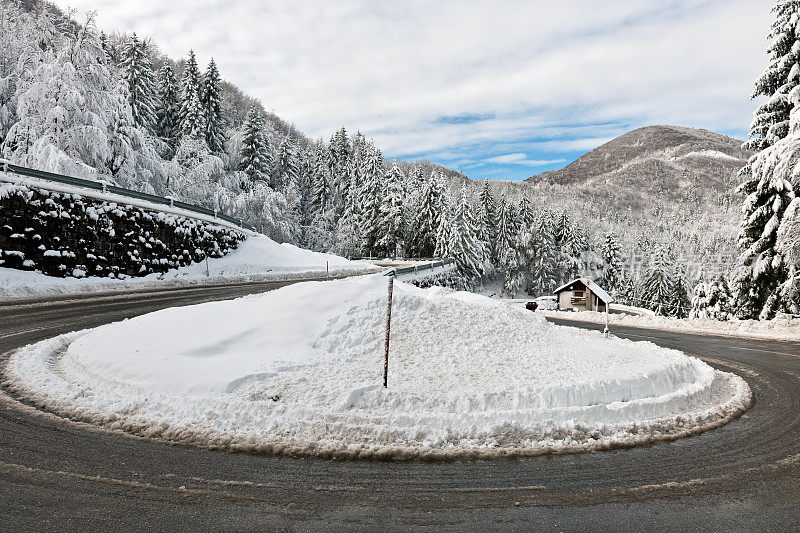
x=257, y=258
x=299, y=371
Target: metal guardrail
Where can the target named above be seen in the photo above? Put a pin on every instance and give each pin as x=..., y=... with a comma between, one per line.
x=106, y=187
x=418, y=268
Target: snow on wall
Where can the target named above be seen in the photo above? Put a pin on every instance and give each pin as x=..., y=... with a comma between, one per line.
x=67, y=234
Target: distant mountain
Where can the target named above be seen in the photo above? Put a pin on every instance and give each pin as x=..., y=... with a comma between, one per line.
x=671, y=159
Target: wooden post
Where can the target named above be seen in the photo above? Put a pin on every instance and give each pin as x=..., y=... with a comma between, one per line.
x=327, y=272
x=207, y=272
x=388, y=330
x=605, y=331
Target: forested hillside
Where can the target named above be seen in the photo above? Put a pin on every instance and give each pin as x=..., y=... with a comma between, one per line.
x=77, y=101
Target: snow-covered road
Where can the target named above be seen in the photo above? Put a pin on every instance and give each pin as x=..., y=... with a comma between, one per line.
x=298, y=371
x=53, y=472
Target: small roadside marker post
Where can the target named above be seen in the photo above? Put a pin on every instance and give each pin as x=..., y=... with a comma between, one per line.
x=605, y=331
x=388, y=330
x=208, y=274
x=327, y=272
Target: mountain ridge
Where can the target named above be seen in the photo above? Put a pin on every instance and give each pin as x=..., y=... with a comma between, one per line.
x=663, y=149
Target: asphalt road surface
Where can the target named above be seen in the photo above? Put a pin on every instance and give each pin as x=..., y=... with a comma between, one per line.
x=58, y=475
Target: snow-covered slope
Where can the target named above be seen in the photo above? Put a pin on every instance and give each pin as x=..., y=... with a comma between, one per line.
x=257, y=258
x=300, y=370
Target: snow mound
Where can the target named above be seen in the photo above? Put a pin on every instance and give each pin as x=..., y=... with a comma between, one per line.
x=257, y=258
x=299, y=370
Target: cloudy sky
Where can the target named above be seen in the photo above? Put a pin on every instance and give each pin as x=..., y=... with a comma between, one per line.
x=498, y=89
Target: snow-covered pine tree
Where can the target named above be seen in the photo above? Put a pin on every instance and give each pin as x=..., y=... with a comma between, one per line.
x=505, y=231
x=321, y=195
x=544, y=256
x=444, y=232
x=371, y=194
x=139, y=76
x=391, y=213
x=720, y=299
x=629, y=292
x=658, y=285
x=255, y=158
x=211, y=100
x=611, y=263
x=193, y=120
x=427, y=219
x=168, y=107
x=771, y=119
x=348, y=232
x=571, y=243
x=700, y=306
x=288, y=168
x=761, y=269
x=464, y=245
x=788, y=246
x=487, y=221
x=679, y=297
x=526, y=216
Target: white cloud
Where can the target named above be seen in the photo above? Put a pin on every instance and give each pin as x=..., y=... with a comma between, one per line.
x=520, y=158
x=539, y=72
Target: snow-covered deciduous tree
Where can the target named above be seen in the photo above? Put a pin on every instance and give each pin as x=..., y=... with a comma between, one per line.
x=138, y=71
x=211, y=100
x=255, y=158
x=168, y=107
x=74, y=118
x=771, y=119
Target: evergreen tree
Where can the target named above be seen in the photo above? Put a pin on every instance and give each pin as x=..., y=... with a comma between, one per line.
x=255, y=156
x=371, y=194
x=288, y=169
x=611, y=264
x=321, y=195
x=699, y=301
x=427, y=219
x=526, y=216
x=193, y=120
x=464, y=246
x=771, y=119
x=628, y=293
x=762, y=270
x=658, y=285
x=211, y=100
x=679, y=297
x=488, y=222
x=444, y=231
x=720, y=299
x=391, y=212
x=168, y=121
x=141, y=83
x=505, y=230
x=544, y=256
